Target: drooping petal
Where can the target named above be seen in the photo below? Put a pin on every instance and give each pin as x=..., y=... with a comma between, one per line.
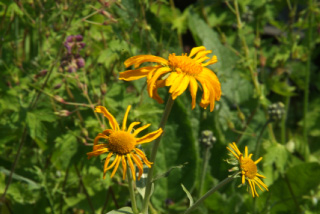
x=113, y=163
x=176, y=82
x=112, y=121
x=149, y=137
x=182, y=87
x=252, y=188
x=213, y=79
x=124, y=166
x=139, y=164
x=159, y=84
x=99, y=136
x=106, y=163
x=143, y=156
x=138, y=60
x=97, y=152
x=124, y=122
x=130, y=75
x=171, y=78
x=205, y=99
x=157, y=74
x=115, y=167
x=193, y=87
x=131, y=167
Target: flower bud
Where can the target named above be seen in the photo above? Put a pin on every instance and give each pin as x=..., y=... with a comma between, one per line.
x=59, y=99
x=62, y=113
x=103, y=89
x=276, y=111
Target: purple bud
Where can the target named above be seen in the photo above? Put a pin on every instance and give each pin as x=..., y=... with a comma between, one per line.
x=80, y=62
x=79, y=38
x=82, y=45
x=72, y=69
x=57, y=86
x=70, y=39
x=43, y=72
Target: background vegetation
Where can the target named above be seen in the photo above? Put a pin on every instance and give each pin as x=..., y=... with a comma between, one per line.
x=268, y=52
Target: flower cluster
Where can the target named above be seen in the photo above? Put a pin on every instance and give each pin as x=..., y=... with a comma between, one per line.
x=72, y=60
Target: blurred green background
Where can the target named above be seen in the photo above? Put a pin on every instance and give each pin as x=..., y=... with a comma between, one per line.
x=268, y=52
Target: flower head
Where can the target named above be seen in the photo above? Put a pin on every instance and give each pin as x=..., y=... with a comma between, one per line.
x=178, y=72
x=122, y=143
x=248, y=168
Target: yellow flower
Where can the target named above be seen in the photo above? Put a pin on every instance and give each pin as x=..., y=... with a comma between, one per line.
x=178, y=72
x=122, y=144
x=249, y=169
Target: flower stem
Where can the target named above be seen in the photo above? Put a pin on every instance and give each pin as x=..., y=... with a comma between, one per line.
x=257, y=150
x=307, y=80
x=131, y=190
x=211, y=191
x=164, y=119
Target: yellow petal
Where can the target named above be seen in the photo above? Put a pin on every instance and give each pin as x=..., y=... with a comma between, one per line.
x=149, y=137
x=157, y=74
x=106, y=163
x=171, y=78
x=213, y=60
x=182, y=87
x=246, y=152
x=133, y=124
x=97, y=152
x=196, y=50
x=124, y=122
x=176, y=82
x=139, y=73
x=139, y=165
x=131, y=167
x=124, y=166
x=112, y=121
x=193, y=87
x=201, y=54
x=138, y=130
x=138, y=60
x=143, y=156
x=257, y=161
x=113, y=163
x=99, y=136
x=115, y=167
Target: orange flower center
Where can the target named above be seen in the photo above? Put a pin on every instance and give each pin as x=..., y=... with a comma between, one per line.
x=249, y=167
x=184, y=64
x=121, y=142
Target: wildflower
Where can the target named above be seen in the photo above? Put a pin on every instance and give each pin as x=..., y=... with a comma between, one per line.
x=276, y=111
x=122, y=144
x=249, y=169
x=178, y=72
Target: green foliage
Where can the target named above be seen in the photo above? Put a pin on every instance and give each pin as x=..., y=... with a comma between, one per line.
x=48, y=123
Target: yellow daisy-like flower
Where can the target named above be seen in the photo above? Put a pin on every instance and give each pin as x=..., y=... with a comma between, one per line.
x=249, y=169
x=122, y=144
x=178, y=72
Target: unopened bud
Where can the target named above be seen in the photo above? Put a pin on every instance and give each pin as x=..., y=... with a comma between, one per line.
x=103, y=88
x=63, y=113
x=59, y=99
x=207, y=138
x=276, y=111
x=57, y=86
x=85, y=132
x=230, y=124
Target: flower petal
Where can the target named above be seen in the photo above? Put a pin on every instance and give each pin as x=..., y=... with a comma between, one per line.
x=149, y=137
x=157, y=74
x=193, y=87
x=171, y=78
x=143, y=156
x=112, y=121
x=182, y=87
x=138, y=60
x=115, y=167
x=176, y=82
x=124, y=122
x=196, y=50
x=99, y=136
x=124, y=166
x=131, y=167
x=133, y=124
x=139, y=164
x=138, y=130
x=135, y=74
x=97, y=152
x=213, y=60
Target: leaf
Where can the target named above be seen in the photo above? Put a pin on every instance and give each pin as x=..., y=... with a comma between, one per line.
x=123, y=210
x=17, y=177
x=276, y=154
x=37, y=129
x=188, y=195
x=166, y=174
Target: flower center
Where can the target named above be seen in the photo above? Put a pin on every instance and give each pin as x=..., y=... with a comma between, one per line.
x=249, y=167
x=121, y=142
x=185, y=64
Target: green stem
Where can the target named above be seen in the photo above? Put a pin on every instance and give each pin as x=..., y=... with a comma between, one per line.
x=283, y=121
x=210, y=192
x=132, y=195
x=307, y=80
x=206, y=158
x=164, y=119
x=257, y=150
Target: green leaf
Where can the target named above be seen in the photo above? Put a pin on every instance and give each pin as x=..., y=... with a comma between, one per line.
x=37, y=129
x=276, y=154
x=123, y=210
x=188, y=195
